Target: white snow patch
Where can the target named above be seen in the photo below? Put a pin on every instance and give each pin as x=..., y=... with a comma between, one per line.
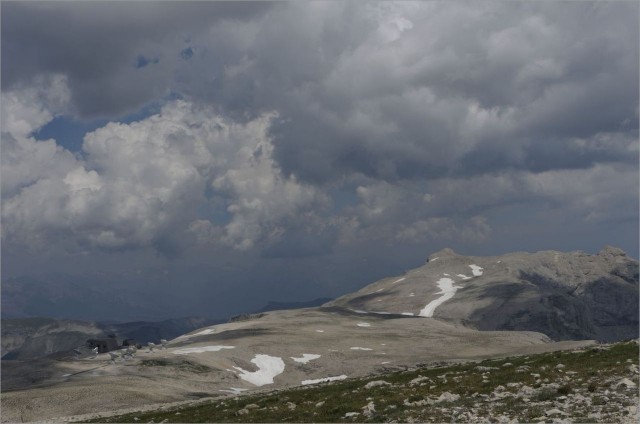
x=306, y=357
x=203, y=332
x=360, y=348
x=447, y=290
x=66, y=375
x=498, y=262
x=445, y=274
x=268, y=368
x=412, y=294
x=399, y=279
x=378, y=291
x=201, y=349
x=381, y=313
x=464, y=277
x=434, y=259
x=358, y=311
x=385, y=362
x=234, y=390
x=476, y=270
x=319, y=331
x=363, y=324
x=409, y=314
x=324, y=380
x=184, y=336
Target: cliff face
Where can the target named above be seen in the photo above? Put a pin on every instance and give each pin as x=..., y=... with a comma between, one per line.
x=563, y=295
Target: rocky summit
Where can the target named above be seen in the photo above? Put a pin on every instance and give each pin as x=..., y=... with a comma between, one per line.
x=452, y=309
x=567, y=296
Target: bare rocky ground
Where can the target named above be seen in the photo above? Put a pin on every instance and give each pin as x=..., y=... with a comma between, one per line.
x=565, y=295
x=349, y=344
x=597, y=384
x=430, y=314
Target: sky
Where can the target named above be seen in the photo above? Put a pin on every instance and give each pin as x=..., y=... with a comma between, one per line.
x=164, y=159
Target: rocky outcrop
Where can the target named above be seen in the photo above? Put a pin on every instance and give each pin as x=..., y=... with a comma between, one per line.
x=567, y=296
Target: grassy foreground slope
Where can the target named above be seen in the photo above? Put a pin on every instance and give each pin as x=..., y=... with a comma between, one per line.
x=597, y=384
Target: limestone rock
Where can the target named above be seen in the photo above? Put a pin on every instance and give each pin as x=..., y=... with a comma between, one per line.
x=567, y=296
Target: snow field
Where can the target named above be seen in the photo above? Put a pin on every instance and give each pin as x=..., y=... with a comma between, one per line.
x=268, y=368
x=203, y=332
x=200, y=349
x=234, y=390
x=447, y=289
x=324, y=380
x=306, y=357
x=476, y=270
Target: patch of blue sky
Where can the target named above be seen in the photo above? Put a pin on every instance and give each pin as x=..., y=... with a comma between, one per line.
x=215, y=209
x=69, y=132
x=343, y=197
x=187, y=53
x=142, y=61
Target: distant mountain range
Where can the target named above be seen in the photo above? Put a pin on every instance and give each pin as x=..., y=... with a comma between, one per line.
x=30, y=338
x=277, y=306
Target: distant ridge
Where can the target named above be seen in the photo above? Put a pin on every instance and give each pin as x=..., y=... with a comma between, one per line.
x=30, y=338
x=276, y=305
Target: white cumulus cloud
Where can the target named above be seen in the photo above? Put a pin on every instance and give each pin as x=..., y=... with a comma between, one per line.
x=148, y=183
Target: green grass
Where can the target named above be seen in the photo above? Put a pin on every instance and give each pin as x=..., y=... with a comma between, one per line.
x=403, y=402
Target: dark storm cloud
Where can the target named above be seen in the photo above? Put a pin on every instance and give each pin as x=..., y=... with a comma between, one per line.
x=412, y=91
x=390, y=91
x=308, y=147
x=96, y=45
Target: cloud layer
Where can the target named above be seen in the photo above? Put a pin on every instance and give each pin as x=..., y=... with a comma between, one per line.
x=146, y=184
x=314, y=129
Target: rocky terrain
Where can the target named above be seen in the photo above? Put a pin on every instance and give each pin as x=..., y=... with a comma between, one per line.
x=567, y=296
x=430, y=314
x=598, y=384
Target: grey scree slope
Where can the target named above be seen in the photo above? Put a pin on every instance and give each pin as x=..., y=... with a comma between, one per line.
x=568, y=295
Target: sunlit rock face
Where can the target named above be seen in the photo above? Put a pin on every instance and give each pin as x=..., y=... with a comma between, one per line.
x=571, y=295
